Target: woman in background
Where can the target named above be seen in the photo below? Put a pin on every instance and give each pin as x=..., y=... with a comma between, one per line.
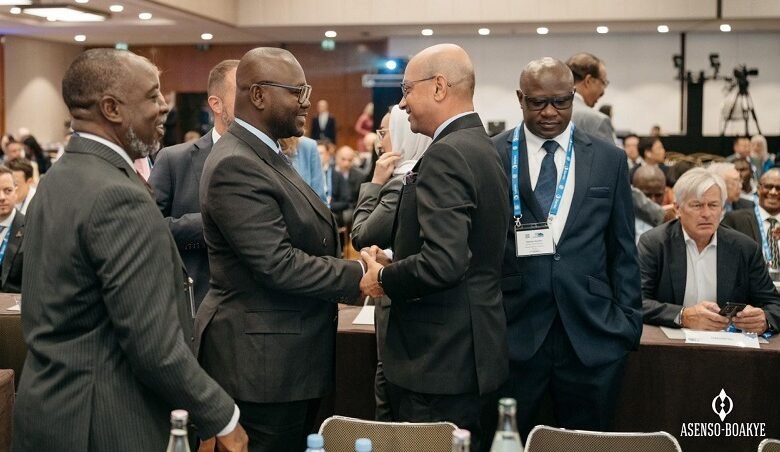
x=302, y=153
x=372, y=223
x=364, y=125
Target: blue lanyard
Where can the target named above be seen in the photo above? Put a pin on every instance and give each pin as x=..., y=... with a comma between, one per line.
x=516, y=205
x=4, y=246
x=762, y=229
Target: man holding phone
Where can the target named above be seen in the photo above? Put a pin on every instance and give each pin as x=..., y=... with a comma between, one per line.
x=697, y=274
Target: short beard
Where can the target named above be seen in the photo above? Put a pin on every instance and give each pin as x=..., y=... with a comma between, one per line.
x=227, y=120
x=139, y=149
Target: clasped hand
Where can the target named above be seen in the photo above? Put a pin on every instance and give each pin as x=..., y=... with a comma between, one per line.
x=374, y=259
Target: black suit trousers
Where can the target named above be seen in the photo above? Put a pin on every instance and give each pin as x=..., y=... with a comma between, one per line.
x=278, y=427
x=582, y=397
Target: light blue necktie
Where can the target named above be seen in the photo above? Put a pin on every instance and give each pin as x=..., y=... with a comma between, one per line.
x=548, y=178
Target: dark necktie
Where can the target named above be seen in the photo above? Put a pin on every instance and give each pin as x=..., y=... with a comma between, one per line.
x=548, y=178
x=772, y=241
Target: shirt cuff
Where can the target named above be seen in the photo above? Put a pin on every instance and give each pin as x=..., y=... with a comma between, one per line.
x=232, y=424
x=362, y=266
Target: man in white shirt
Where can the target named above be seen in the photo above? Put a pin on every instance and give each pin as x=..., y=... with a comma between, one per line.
x=11, y=235
x=691, y=267
x=745, y=220
x=23, y=178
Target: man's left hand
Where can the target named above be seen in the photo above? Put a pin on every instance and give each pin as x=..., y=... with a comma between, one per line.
x=751, y=319
x=369, y=285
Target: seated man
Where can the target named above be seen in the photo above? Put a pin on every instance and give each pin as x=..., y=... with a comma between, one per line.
x=692, y=266
x=733, y=181
x=651, y=182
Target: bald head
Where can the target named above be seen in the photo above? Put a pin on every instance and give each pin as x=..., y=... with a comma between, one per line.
x=546, y=68
x=651, y=181
x=452, y=62
x=270, y=85
x=546, y=96
x=772, y=173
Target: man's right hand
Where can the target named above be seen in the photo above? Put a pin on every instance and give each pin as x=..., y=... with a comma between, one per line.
x=235, y=441
x=704, y=316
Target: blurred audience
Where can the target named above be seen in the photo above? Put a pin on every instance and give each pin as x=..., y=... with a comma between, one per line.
x=22, y=171
x=323, y=126
x=741, y=149
x=733, y=182
x=302, y=152
x=364, y=125
x=631, y=147
x=760, y=158
x=11, y=235
x=748, y=180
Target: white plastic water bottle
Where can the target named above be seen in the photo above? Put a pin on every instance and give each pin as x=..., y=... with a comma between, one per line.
x=363, y=445
x=315, y=443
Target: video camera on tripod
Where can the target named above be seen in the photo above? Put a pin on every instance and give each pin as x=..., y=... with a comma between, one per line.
x=741, y=99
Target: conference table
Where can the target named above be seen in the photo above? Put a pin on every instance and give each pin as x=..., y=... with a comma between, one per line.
x=12, y=348
x=669, y=385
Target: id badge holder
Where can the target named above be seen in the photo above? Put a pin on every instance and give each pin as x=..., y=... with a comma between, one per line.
x=534, y=239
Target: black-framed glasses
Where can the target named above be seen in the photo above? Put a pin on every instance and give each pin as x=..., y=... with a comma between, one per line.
x=407, y=86
x=540, y=103
x=770, y=187
x=303, y=91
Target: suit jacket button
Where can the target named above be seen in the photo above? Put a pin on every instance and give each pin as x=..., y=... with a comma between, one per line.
x=557, y=257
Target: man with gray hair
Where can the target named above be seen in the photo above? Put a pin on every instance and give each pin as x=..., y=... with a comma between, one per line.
x=733, y=182
x=590, y=82
x=691, y=267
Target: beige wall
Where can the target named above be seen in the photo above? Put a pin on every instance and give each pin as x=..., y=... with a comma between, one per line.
x=33, y=74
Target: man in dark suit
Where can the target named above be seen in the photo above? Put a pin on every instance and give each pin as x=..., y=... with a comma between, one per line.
x=570, y=277
x=691, y=266
x=11, y=234
x=446, y=344
x=744, y=220
x=267, y=327
x=733, y=182
x=105, y=316
x=176, y=175
x=323, y=127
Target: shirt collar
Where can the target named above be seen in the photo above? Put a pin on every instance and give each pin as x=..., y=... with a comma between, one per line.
x=765, y=215
x=109, y=144
x=215, y=136
x=448, y=122
x=8, y=220
x=534, y=143
x=259, y=134
x=713, y=242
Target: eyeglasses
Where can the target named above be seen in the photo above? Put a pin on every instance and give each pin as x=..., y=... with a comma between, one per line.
x=770, y=187
x=540, y=103
x=603, y=81
x=303, y=91
x=407, y=86
x=382, y=133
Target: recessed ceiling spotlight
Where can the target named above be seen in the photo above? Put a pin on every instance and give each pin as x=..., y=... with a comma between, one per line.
x=542, y=30
x=80, y=38
x=16, y=10
x=331, y=34
x=663, y=29
x=51, y=19
x=725, y=28
x=602, y=29
x=484, y=31
x=82, y=1
x=145, y=16
x=116, y=8
x=207, y=36
x=426, y=32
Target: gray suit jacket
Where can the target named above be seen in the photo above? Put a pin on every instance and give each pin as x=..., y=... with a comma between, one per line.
x=11, y=275
x=742, y=274
x=267, y=327
x=105, y=316
x=592, y=121
x=744, y=221
x=175, y=179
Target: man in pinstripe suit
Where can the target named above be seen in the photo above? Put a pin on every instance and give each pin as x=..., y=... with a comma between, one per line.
x=105, y=315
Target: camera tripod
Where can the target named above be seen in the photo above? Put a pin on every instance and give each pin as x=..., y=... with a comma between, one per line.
x=745, y=103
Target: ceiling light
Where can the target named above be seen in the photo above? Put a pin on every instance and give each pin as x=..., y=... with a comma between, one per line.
x=15, y=2
x=116, y=8
x=16, y=10
x=725, y=28
x=542, y=30
x=82, y=1
x=663, y=29
x=51, y=19
x=80, y=38
x=391, y=65
x=331, y=34
x=484, y=31
x=602, y=29
x=207, y=36
x=426, y=32
x=145, y=16
x=65, y=13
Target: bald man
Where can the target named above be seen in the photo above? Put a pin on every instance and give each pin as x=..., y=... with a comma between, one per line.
x=571, y=279
x=649, y=180
x=106, y=317
x=445, y=345
x=266, y=329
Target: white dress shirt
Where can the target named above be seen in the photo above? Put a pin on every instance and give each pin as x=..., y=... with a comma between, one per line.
x=765, y=216
x=22, y=207
x=323, y=120
x=701, y=279
x=215, y=136
x=535, y=155
x=448, y=122
x=260, y=135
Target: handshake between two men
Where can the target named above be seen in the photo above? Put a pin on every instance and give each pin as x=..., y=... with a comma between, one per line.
x=374, y=260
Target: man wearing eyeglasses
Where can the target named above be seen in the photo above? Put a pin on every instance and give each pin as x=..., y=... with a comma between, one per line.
x=590, y=82
x=768, y=210
x=267, y=327
x=570, y=277
x=445, y=342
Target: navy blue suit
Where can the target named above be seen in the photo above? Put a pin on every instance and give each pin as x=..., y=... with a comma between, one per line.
x=583, y=302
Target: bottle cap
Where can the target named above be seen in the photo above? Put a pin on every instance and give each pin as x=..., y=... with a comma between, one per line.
x=179, y=415
x=461, y=436
x=315, y=441
x=507, y=402
x=363, y=445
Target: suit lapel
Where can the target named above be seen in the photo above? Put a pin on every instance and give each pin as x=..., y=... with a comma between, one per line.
x=79, y=145
x=754, y=227
x=200, y=151
x=583, y=164
x=726, y=276
x=678, y=262
x=286, y=170
x=528, y=200
x=14, y=241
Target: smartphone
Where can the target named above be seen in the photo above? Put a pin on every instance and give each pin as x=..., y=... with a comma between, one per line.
x=731, y=309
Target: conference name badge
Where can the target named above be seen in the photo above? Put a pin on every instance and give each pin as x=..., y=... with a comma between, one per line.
x=534, y=239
